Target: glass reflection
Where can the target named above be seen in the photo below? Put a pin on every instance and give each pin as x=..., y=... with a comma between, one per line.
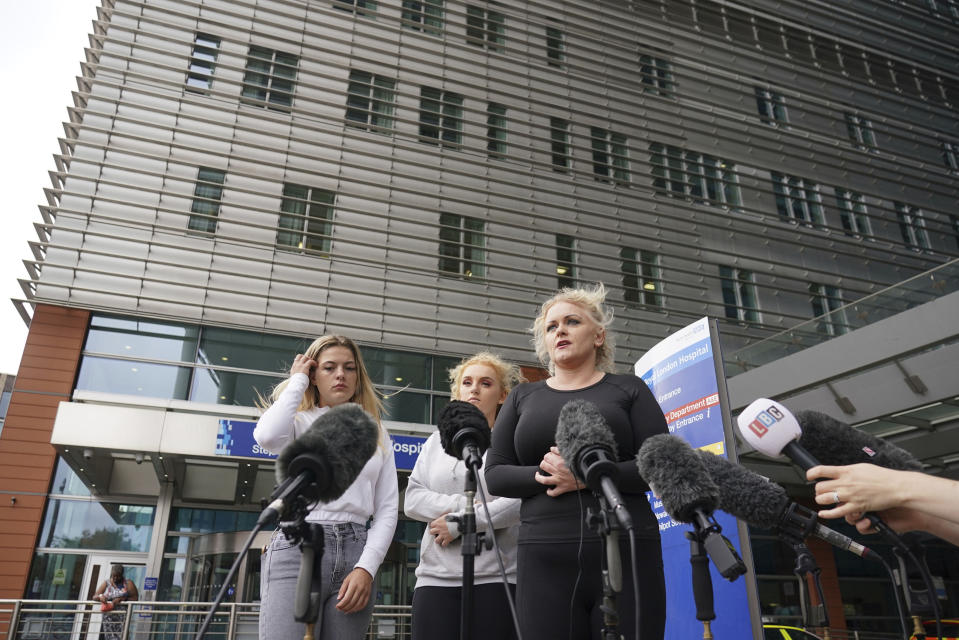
x=441, y=372
x=248, y=350
x=134, y=378
x=228, y=387
x=406, y=406
x=142, y=338
x=66, y=482
x=75, y=524
x=56, y=576
x=397, y=368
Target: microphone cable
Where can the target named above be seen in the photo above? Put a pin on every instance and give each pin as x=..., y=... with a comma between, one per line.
x=499, y=560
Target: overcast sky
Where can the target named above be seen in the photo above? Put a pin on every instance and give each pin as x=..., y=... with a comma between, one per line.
x=41, y=46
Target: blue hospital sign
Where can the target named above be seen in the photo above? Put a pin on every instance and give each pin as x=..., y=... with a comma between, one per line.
x=235, y=438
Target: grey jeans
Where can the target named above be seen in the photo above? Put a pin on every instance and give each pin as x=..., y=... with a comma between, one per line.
x=343, y=543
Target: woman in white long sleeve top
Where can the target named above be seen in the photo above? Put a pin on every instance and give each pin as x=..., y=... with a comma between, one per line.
x=358, y=526
x=434, y=491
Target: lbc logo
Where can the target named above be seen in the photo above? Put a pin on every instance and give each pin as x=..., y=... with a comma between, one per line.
x=764, y=420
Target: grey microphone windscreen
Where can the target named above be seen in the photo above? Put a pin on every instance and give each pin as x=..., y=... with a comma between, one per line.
x=744, y=494
x=340, y=442
x=836, y=443
x=582, y=427
x=676, y=473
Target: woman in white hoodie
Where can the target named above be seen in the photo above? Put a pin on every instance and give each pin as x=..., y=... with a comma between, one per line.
x=435, y=490
x=358, y=526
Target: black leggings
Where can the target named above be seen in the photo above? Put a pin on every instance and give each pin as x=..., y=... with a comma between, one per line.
x=549, y=610
x=436, y=613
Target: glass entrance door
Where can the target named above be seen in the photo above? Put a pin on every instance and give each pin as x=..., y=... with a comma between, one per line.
x=89, y=624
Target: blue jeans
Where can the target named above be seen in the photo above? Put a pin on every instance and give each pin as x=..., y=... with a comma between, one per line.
x=280, y=565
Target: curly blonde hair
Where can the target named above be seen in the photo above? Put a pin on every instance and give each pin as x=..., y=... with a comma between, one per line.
x=508, y=375
x=366, y=394
x=592, y=300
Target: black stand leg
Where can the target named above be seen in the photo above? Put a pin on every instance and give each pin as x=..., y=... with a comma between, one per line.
x=702, y=584
x=612, y=569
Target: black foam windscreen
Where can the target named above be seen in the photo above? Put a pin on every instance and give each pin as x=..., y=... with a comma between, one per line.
x=335, y=448
x=581, y=428
x=836, y=443
x=744, y=494
x=677, y=474
x=460, y=423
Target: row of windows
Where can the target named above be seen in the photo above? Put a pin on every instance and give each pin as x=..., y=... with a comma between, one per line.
x=225, y=366
x=773, y=111
x=371, y=99
x=305, y=221
x=487, y=28
x=772, y=37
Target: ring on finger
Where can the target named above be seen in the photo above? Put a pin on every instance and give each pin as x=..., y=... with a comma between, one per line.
x=835, y=496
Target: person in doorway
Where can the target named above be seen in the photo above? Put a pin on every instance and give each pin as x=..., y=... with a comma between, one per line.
x=111, y=593
x=328, y=374
x=559, y=589
x=435, y=490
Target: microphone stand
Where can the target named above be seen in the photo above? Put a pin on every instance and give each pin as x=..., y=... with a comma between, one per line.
x=702, y=583
x=472, y=546
x=606, y=525
x=806, y=566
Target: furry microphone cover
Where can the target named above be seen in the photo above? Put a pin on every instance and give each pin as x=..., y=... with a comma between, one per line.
x=581, y=427
x=340, y=442
x=675, y=472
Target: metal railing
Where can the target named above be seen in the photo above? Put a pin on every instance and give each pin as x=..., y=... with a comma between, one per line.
x=144, y=620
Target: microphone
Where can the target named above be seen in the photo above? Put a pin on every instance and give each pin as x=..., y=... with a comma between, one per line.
x=324, y=461
x=589, y=449
x=762, y=503
x=679, y=477
x=836, y=443
x=464, y=432
x=771, y=429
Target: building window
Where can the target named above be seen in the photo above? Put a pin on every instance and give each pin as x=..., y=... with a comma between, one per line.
x=441, y=115
x=270, y=78
x=954, y=220
x=642, y=279
x=798, y=199
x=496, y=130
x=425, y=16
x=610, y=159
x=853, y=212
x=555, y=47
x=206, y=200
x=559, y=144
x=739, y=294
x=860, y=131
x=944, y=8
x=772, y=106
x=703, y=178
x=565, y=261
x=826, y=303
x=370, y=101
x=950, y=155
x=306, y=218
x=656, y=75
x=485, y=28
x=462, y=246
x=360, y=7
x=912, y=225
x=199, y=77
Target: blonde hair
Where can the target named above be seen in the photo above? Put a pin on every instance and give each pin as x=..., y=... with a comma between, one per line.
x=592, y=300
x=508, y=375
x=365, y=395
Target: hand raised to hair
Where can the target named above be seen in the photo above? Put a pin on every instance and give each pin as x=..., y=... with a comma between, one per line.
x=302, y=364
